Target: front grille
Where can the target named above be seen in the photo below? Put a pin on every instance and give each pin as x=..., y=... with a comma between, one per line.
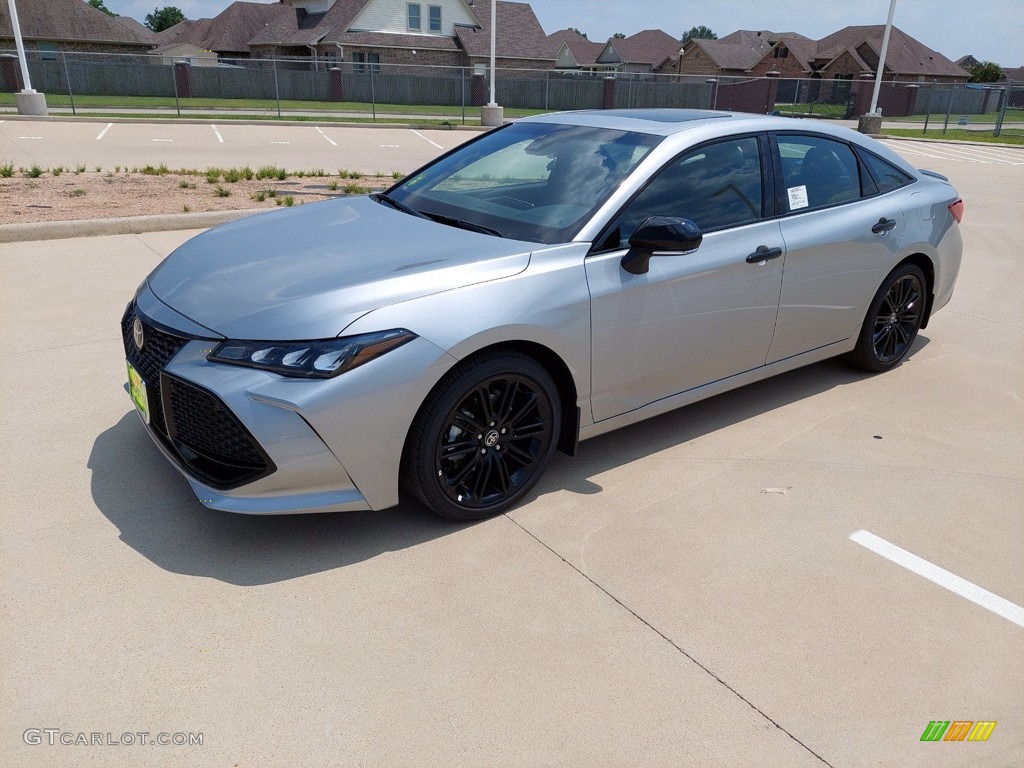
x=157, y=351
x=199, y=429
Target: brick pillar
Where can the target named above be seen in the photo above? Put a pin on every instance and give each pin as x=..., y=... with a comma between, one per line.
x=479, y=90
x=772, y=92
x=182, y=79
x=864, y=86
x=337, y=84
x=10, y=82
x=609, y=93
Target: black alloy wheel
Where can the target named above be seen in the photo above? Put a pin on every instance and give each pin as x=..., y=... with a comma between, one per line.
x=893, y=320
x=483, y=437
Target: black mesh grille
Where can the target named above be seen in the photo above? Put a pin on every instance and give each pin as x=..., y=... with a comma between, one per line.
x=157, y=351
x=206, y=437
x=201, y=422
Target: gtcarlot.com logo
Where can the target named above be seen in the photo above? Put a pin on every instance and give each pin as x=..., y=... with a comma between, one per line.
x=54, y=737
x=958, y=730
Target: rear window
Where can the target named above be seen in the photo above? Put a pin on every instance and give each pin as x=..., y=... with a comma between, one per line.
x=887, y=176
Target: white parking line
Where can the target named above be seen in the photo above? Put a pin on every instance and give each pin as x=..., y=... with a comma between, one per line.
x=428, y=140
x=982, y=155
x=219, y=137
x=104, y=131
x=333, y=142
x=280, y=142
x=942, y=577
x=30, y=137
x=161, y=139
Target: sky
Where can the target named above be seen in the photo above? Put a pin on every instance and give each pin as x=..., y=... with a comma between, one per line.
x=990, y=31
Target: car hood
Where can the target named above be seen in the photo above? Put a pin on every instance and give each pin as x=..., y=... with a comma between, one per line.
x=310, y=271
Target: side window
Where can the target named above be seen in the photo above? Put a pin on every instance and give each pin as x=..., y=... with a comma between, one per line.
x=716, y=186
x=413, y=14
x=888, y=176
x=817, y=172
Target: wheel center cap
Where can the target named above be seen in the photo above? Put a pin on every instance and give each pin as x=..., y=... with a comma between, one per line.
x=892, y=319
x=491, y=438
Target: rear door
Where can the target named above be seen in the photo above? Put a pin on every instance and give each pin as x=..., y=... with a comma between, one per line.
x=842, y=237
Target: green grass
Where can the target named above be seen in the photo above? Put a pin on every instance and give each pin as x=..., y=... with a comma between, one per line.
x=6, y=170
x=956, y=135
x=810, y=108
x=34, y=172
x=77, y=193
x=222, y=191
x=989, y=118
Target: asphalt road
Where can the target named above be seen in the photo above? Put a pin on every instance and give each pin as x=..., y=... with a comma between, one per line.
x=684, y=592
x=297, y=146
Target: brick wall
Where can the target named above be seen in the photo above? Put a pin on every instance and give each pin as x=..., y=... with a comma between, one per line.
x=787, y=67
x=696, y=62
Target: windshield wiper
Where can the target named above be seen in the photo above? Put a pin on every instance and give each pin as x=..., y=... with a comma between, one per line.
x=397, y=204
x=462, y=224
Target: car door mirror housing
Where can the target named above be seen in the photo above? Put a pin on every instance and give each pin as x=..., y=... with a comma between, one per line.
x=660, y=234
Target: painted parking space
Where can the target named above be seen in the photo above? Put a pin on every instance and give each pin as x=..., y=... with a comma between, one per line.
x=959, y=153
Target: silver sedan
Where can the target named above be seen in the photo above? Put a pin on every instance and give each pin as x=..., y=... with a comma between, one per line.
x=548, y=282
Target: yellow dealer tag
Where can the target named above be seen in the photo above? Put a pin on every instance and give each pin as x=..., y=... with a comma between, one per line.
x=137, y=389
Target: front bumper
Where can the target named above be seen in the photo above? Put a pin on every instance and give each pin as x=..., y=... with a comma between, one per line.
x=327, y=445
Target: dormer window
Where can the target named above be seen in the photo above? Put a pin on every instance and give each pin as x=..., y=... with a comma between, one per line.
x=781, y=52
x=413, y=13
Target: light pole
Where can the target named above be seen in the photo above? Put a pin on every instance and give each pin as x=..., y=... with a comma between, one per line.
x=29, y=102
x=881, y=59
x=492, y=114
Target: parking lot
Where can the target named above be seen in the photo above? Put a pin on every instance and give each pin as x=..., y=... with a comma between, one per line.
x=706, y=588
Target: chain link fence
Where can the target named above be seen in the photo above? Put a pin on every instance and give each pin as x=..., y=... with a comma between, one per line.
x=296, y=88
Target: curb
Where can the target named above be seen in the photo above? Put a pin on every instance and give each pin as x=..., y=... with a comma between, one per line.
x=128, y=225
x=929, y=140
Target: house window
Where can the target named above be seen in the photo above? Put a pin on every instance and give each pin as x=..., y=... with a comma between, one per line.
x=48, y=51
x=414, y=16
x=782, y=52
x=435, y=18
x=360, y=60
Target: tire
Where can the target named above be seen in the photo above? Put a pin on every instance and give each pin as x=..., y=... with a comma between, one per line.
x=892, y=321
x=483, y=437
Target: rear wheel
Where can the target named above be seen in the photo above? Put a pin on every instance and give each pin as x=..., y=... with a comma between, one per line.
x=483, y=437
x=892, y=321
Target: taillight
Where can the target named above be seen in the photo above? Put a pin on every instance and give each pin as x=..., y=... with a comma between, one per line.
x=957, y=209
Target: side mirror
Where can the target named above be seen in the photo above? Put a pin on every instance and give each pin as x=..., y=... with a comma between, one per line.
x=660, y=234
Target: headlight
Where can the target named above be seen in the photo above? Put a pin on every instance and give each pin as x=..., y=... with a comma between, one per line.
x=310, y=359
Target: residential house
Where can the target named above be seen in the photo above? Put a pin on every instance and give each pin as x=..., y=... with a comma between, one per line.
x=638, y=54
x=967, y=61
x=574, y=52
x=1014, y=74
x=731, y=56
x=432, y=33
x=49, y=26
x=855, y=51
x=226, y=35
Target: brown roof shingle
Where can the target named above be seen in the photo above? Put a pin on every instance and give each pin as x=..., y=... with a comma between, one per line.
x=68, y=20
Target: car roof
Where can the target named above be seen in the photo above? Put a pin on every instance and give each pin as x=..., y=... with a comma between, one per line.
x=661, y=122
x=708, y=124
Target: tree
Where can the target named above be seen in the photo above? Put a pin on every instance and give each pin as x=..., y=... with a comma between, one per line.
x=581, y=34
x=618, y=36
x=162, y=18
x=986, y=72
x=701, y=32
x=99, y=6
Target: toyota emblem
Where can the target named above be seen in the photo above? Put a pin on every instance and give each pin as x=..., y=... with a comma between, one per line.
x=138, y=336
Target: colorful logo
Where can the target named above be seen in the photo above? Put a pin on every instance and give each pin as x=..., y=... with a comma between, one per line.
x=958, y=730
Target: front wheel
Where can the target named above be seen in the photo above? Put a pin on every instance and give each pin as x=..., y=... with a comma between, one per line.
x=483, y=437
x=892, y=321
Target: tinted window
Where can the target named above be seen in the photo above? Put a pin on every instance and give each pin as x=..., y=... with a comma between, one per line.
x=888, y=176
x=817, y=172
x=716, y=186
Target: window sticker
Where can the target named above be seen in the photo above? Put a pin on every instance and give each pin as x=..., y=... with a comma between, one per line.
x=797, y=197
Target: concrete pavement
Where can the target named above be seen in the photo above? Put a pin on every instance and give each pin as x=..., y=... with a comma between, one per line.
x=683, y=592
x=295, y=146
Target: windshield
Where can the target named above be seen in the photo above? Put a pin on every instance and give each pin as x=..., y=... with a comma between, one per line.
x=537, y=182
